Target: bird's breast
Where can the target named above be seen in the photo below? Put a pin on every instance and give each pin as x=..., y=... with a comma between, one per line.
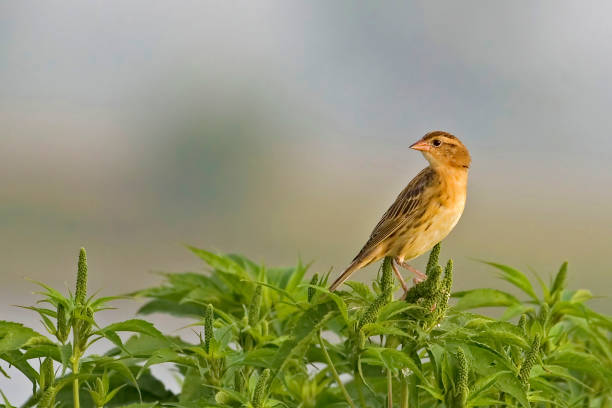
x=444, y=208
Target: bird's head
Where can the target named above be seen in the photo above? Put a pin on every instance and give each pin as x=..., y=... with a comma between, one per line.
x=442, y=149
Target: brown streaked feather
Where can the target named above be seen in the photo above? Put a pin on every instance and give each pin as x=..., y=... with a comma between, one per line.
x=401, y=212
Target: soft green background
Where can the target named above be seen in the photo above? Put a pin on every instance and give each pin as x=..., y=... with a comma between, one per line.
x=281, y=130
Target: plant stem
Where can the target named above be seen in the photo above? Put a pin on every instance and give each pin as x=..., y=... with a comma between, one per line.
x=331, y=366
x=75, y=366
x=405, y=393
x=359, y=383
x=389, y=389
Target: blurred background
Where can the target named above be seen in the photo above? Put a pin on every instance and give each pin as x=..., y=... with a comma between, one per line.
x=280, y=130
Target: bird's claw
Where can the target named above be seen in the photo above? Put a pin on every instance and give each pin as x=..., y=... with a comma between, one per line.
x=420, y=276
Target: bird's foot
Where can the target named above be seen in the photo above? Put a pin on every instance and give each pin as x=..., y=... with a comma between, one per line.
x=420, y=276
x=400, y=278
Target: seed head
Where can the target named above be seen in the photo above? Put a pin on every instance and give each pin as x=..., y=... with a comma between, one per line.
x=81, y=284
x=47, y=375
x=522, y=324
x=260, y=389
x=386, y=280
x=434, y=255
x=544, y=312
x=461, y=380
x=255, y=306
x=208, y=326
x=223, y=398
x=63, y=328
x=371, y=313
x=47, y=399
x=530, y=360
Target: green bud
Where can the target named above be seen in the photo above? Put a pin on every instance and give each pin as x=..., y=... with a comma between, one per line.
x=99, y=395
x=443, y=295
x=432, y=288
x=83, y=321
x=361, y=339
x=434, y=255
x=223, y=398
x=522, y=324
x=461, y=380
x=448, y=275
x=81, y=284
x=416, y=292
x=386, y=279
x=260, y=389
x=559, y=283
x=238, y=380
x=530, y=359
x=515, y=355
x=544, y=312
x=311, y=290
x=371, y=313
x=47, y=374
x=63, y=328
x=208, y=326
x=47, y=400
x=255, y=306
x=446, y=286
x=265, y=328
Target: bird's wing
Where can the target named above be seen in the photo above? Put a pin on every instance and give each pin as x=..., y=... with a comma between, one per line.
x=402, y=211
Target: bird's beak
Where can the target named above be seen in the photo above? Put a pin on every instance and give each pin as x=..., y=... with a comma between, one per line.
x=421, y=145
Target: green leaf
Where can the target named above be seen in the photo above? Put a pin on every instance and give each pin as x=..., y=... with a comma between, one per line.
x=581, y=296
x=395, y=309
x=586, y=363
x=556, y=371
x=361, y=289
x=7, y=404
x=15, y=358
x=434, y=392
x=483, y=384
x=167, y=356
x=476, y=298
x=340, y=303
x=172, y=308
x=516, y=310
x=51, y=293
x=13, y=336
x=144, y=345
x=306, y=328
x=502, y=332
x=219, y=262
x=296, y=277
x=516, y=278
x=136, y=326
x=141, y=405
x=486, y=361
x=375, y=329
x=559, y=283
x=391, y=359
x=262, y=357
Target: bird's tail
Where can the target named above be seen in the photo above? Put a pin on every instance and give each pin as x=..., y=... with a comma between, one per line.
x=358, y=263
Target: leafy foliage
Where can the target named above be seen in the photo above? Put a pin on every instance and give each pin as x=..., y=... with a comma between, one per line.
x=270, y=337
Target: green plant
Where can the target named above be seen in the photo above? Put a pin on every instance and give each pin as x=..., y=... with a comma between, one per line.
x=270, y=337
x=66, y=375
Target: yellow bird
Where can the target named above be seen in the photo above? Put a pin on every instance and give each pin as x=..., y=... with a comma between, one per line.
x=424, y=213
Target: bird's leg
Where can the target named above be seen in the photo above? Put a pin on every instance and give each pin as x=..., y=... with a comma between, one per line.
x=420, y=276
x=400, y=277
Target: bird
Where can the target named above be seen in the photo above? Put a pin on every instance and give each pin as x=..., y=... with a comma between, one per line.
x=424, y=213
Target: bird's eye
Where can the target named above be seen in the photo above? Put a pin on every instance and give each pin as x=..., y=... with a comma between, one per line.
x=436, y=142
